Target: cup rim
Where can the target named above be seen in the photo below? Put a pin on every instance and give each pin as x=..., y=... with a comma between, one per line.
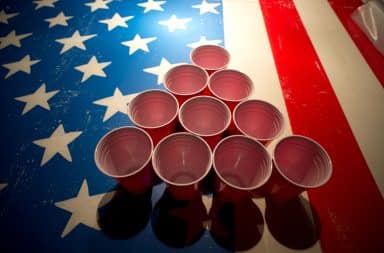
x=322, y=149
x=230, y=70
x=186, y=94
x=211, y=45
x=106, y=135
x=270, y=165
x=283, y=123
x=205, y=97
x=129, y=104
x=208, y=168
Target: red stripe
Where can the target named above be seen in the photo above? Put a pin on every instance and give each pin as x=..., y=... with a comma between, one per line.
x=350, y=207
x=344, y=10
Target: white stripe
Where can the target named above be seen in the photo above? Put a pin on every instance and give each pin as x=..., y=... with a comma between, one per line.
x=360, y=94
x=247, y=41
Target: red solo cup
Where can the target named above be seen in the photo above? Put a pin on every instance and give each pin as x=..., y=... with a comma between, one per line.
x=258, y=119
x=231, y=86
x=125, y=155
x=210, y=57
x=242, y=165
x=205, y=116
x=300, y=164
x=154, y=111
x=182, y=160
x=185, y=81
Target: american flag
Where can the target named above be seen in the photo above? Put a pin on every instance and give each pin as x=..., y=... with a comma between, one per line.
x=68, y=68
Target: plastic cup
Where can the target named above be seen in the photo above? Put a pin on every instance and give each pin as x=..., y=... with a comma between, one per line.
x=210, y=57
x=154, y=111
x=242, y=165
x=125, y=154
x=300, y=164
x=231, y=86
x=182, y=160
x=258, y=119
x=205, y=116
x=185, y=81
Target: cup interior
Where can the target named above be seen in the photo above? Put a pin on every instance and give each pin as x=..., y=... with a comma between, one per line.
x=153, y=108
x=230, y=85
x=258, y=119
x=242, y=162
x=210, y=57
x=302, y=161
x=123, y=152
x=182, y=159
x=205, y=116
x=186, y=79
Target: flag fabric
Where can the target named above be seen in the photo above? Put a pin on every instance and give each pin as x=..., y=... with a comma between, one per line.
x=68, y=69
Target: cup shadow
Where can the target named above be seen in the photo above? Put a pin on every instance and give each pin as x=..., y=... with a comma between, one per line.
x=179, y=127
x=125, y=215
x=236, y=226
x=178, y=223
x=295, y=224
x=207, y=184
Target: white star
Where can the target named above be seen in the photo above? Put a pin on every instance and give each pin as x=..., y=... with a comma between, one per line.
x=57, y=143
x=83, y=208
x=116, y=21
x=161, y=69
x=174, y=23
x=44, y=3
x=152, y=5
x=60, y=19
x=2, y=186
x=98, y=4
x=38, y=98
x=12, y=39
x=138, y=43
x=203, y=41
x=23, y=65
x=116, y=103
x=92, y=68
x=207, y=7
x=4, y=16
x=76, y=40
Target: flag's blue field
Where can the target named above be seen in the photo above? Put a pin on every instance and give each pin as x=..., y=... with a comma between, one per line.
x=67, y=70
